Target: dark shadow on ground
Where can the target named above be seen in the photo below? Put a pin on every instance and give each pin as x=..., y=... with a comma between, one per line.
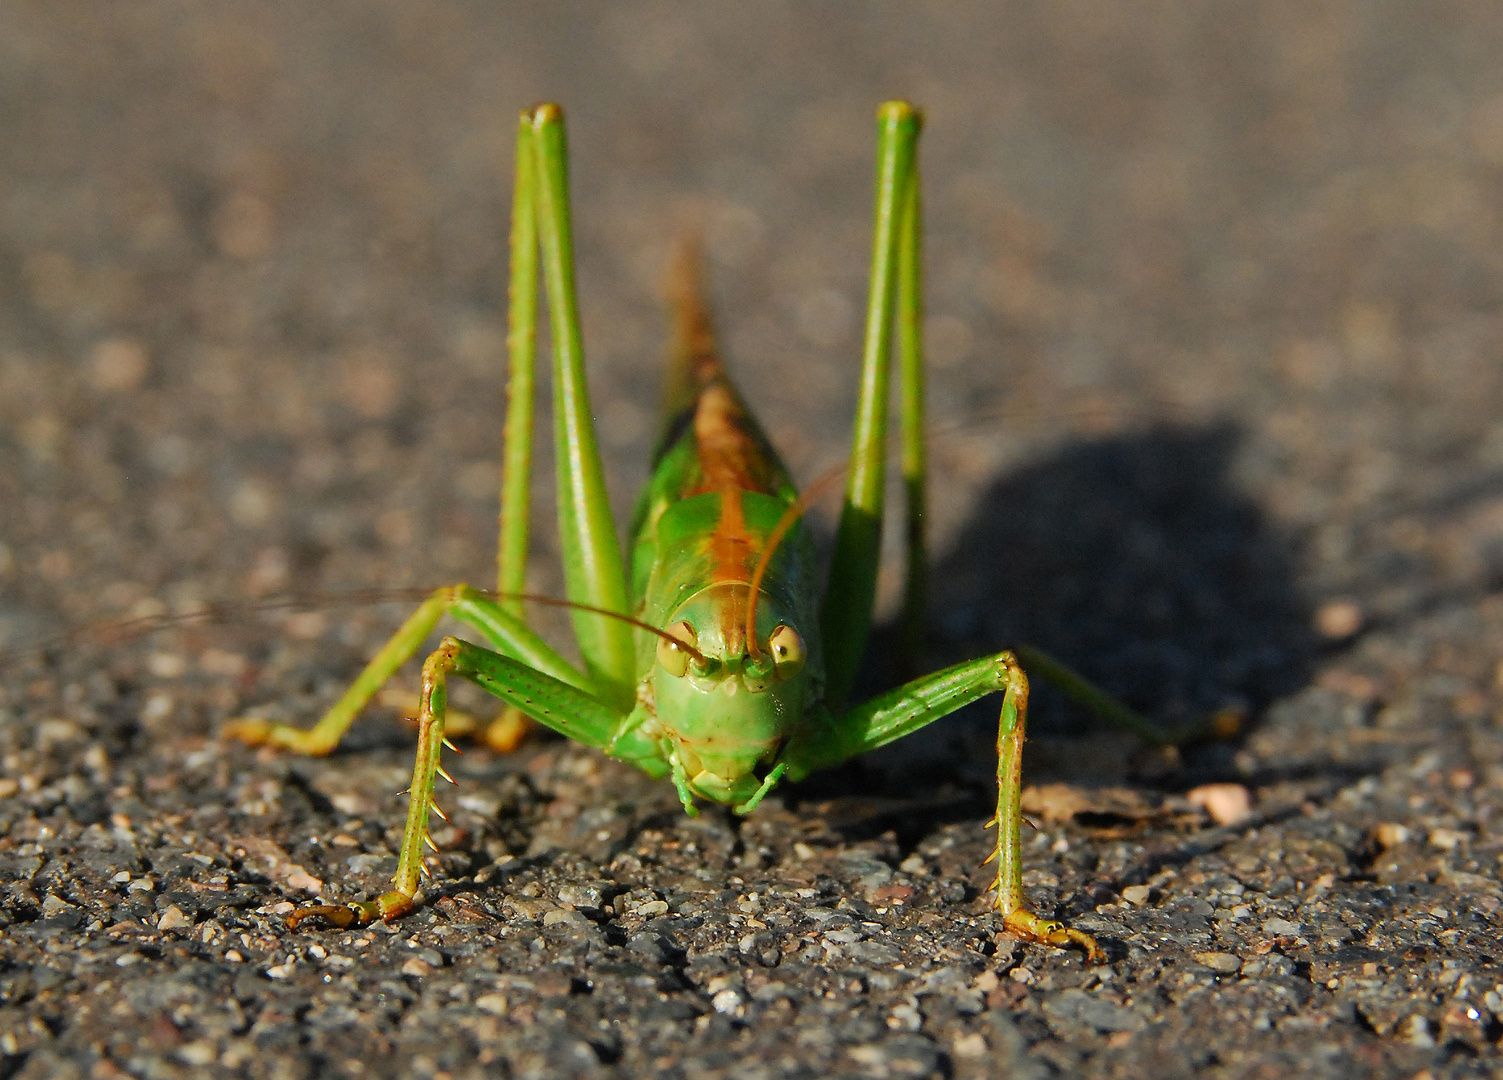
x=1135, y=559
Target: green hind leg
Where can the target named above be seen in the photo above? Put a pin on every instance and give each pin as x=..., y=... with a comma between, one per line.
x=845, y=617
x=903, y=711
x=592, y=561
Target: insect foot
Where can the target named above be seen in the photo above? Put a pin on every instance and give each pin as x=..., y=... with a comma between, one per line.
x=254, y=731
x=389, y=906
x=1030, y=927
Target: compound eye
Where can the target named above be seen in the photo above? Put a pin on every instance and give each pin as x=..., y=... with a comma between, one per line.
x=671, y=658
x=787, y=650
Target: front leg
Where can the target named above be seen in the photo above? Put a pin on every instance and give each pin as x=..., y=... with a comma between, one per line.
x=551, y=702
x=403, y=895
x=827, y=741
x=1008, y=854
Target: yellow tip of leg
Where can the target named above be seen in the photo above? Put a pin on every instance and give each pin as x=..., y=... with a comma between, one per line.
x=1030, y=927
x=255, y=731
x=251, y=730
x=388, y=906
x=338, y=914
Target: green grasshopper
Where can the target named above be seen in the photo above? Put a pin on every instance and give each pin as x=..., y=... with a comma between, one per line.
x=713, y=665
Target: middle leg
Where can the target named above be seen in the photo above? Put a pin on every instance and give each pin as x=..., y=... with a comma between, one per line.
x=504, y=630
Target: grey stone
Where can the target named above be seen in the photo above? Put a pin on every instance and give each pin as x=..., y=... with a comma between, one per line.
x=1078, y=1007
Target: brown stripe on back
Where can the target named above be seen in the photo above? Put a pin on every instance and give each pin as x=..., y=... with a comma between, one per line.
x=692, y=360
x=731, y=452
x=730, y=449
x=733, y=557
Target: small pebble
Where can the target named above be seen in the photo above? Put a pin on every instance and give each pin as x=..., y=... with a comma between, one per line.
x=174, y=919
x=1226, y=803
x=969, y=1046
x=580, y=896
x=495, y=1004
x=1447, y=839
x=199, y=1054
x=727, y=1001
x=1337, y=619
x=1220, y=962
x=118, y=364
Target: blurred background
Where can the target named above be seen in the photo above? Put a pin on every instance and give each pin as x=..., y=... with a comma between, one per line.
x=1213, y=303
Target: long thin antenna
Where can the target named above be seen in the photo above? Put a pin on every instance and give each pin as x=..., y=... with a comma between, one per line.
x=818, y=489
x=109, y=630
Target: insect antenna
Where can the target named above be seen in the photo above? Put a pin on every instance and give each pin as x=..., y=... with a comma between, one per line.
x=574, y=605
x=111, y=631
x=1091, y=413
x=817, y=490
x=1094, y=412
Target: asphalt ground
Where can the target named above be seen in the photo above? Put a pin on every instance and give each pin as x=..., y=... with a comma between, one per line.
x=1214, y=297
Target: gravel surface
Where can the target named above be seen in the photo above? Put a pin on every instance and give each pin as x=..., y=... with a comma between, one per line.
x=1216, y=306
